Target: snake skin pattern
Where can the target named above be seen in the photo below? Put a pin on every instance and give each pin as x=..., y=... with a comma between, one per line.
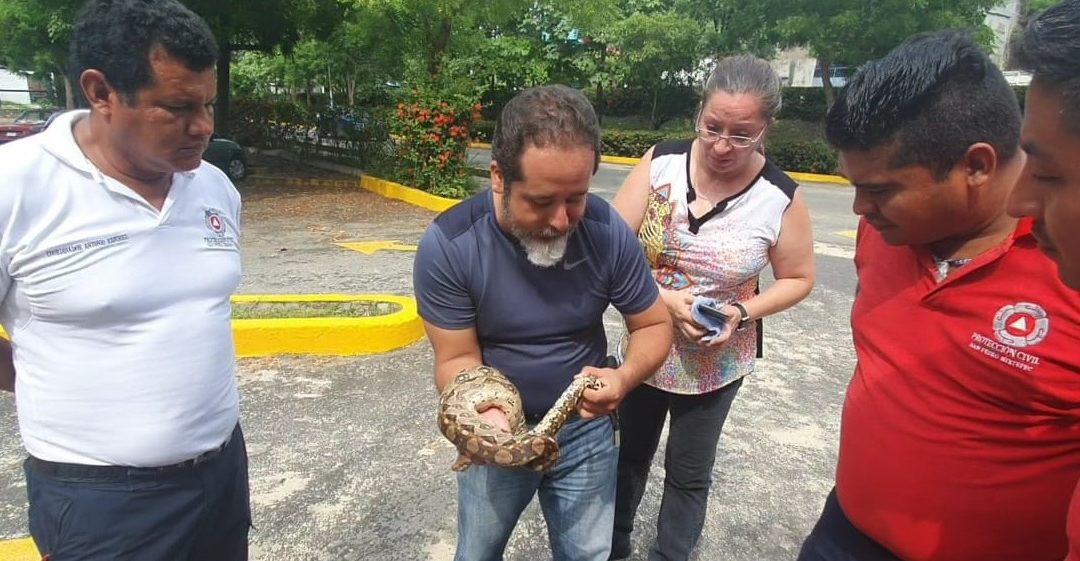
x=480, y=442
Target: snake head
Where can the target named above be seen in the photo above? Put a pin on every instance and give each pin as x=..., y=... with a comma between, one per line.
x=594, y=383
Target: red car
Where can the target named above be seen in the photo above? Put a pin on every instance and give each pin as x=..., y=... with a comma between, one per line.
x=27, y=123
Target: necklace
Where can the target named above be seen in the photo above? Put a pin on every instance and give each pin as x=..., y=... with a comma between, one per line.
x=945, y=266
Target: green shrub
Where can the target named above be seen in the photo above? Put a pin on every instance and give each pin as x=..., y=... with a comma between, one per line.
x=431, y=144
x=793, y=145
x=1021, y=95
x=800, y=146
x=482, y=131
x=267, y=124
x=803, y=104
x=633, y=144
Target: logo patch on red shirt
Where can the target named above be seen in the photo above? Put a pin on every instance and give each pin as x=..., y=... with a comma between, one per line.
x=1021, y=325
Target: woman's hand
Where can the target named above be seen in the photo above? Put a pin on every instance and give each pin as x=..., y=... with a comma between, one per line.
x=733, y=317
x=678, y=304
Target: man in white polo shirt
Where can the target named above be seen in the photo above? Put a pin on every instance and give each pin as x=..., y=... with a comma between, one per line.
x=118, y=254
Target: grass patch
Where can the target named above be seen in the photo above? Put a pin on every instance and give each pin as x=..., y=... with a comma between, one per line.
x=281, y=310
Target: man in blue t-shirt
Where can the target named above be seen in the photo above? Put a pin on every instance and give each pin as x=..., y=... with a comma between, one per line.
x=518, y=278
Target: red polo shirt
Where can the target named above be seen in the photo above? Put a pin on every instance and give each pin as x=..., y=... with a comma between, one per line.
x=1074, y=527
x=960, y=438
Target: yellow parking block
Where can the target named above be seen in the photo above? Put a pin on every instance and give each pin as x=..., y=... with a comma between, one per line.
x=850, y=234
x=22, y=549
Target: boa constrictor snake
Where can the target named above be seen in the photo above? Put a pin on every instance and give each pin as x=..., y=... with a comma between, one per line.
x=479, y=441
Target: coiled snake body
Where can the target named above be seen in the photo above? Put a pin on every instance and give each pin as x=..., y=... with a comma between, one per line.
x=478, y=440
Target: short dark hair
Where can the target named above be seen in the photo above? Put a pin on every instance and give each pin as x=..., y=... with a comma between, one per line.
x=116, y=37
x=932, y=97
x=543, y=116
x=1050, y=50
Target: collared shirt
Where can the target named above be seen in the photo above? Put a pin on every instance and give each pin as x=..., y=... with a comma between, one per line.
x=118, y=312
x=960, y=438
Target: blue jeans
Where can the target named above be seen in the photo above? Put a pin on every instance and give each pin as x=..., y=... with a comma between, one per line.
x=696, y=423
x=577, y=498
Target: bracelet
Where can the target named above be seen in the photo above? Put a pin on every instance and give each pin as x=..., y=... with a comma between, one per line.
x=745, y=315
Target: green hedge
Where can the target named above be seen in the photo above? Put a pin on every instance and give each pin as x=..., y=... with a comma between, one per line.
x=793, y=145
x=633, y=144
x=482, y=131
x=808, y=104
x=803, y=104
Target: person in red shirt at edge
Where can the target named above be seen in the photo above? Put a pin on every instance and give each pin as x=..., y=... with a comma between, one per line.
x=960, y=436
x=1049, y=186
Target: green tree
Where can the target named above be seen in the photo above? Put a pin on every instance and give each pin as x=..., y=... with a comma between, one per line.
x=264, y=26
x=655, y=51
x=852, y=32
x=736, y=26
x=35, y=38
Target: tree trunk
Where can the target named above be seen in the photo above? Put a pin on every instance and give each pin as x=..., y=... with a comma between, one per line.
x=600, y=105
x=652, y=115
x=69, y=91
x=221, y=109
x=826, y=81
x=439, y=46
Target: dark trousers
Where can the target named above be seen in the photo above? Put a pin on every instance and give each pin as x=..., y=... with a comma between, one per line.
x=696, y=423
x=835, y=538
x=192, y=513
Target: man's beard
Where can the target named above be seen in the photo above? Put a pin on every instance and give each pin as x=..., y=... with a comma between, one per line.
x=544, y=248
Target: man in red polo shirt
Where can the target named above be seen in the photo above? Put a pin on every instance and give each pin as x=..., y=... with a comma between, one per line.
x=960, y=438
x=1049, y=186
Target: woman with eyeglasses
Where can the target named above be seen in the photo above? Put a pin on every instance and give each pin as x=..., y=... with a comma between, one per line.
x=711, y=213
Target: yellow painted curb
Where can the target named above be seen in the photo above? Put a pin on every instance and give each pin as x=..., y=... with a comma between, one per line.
x=335, y=336
x=481, y=145
x=22, y=549
x=818, y=178
x=410, y=195
x=623, y=160
x=328, y=335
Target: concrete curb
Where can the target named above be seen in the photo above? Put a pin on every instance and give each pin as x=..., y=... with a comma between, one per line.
x=819, y=178
x=333, y=336
x=623, y=160
x=19, y=549
x=329, y=336
x=407, y=194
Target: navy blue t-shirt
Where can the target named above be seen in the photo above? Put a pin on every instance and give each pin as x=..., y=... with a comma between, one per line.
x=538, y=325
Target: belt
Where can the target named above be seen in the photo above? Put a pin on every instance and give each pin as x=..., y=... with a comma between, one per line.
x=63, y=470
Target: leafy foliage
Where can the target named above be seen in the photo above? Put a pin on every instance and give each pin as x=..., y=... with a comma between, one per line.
x=852, y=32
x=431, y=142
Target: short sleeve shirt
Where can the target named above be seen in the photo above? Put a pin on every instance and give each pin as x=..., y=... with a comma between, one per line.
x=718, y=255
x=538, y=325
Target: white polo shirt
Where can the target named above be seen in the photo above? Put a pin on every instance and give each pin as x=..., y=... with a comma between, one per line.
x=118, y=313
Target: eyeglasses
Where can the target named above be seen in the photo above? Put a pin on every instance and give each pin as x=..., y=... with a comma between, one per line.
x=736, y=141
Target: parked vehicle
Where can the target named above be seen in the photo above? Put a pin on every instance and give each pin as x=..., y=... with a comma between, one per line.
x=228, y=156
x=25, y=124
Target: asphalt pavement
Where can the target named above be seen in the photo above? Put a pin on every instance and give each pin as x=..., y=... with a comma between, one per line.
x=346, y=460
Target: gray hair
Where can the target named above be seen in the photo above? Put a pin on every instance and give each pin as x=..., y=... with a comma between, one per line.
x=543, y=116
x=746, y=74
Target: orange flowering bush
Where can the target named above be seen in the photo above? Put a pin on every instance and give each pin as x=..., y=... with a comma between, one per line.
x=431, y=135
